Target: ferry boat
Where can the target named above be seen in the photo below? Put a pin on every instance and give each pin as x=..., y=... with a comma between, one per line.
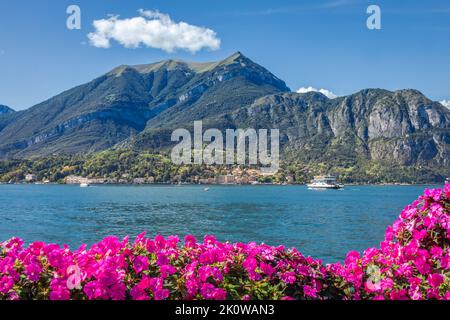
x=325, y=182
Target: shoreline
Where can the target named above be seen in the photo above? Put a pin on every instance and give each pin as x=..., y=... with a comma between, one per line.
x=399, y=184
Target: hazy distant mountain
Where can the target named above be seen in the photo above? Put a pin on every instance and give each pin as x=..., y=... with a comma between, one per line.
x=139, y=106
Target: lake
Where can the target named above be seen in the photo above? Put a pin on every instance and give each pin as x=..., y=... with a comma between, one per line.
x=324, y=224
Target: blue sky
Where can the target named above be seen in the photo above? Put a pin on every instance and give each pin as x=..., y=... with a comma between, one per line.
x=321, y=43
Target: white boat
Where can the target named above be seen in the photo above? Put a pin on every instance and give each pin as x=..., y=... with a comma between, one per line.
x=325, y=182
x=84, y=185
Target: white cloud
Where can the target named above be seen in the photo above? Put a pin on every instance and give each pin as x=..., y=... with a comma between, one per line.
x=339, y=3
x=325, y=92
x=152, y=29
x=446, y=103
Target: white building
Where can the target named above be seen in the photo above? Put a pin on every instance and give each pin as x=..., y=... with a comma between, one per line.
x=30, y=177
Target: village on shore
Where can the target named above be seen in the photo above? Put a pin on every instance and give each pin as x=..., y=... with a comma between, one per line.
x=250, y=177
x=235, y=176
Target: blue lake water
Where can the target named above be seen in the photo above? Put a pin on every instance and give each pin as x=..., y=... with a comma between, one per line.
x=324, y=224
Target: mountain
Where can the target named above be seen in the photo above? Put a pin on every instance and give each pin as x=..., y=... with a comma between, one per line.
x=138, y=107
x=128, y=99
x=7, y=115
x=402, y=127
x=5, y=109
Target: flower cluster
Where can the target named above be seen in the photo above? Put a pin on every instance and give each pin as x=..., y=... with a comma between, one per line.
x=158, y=269
x=412, y=262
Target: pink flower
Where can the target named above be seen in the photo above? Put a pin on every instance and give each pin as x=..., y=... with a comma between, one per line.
x=419, y=235
x=411, y=248
x=399, y=295
x=445, y=262
x=210, y=292
x=445, y=221
x=118, y=291
x=415, y=294
x=207, y=272
x=160, y=241
x=422, y=266
x=430, y=222
x=139, y=293
x=209, y=240
x=140, y=239
x=435, y=280
x=414, y=281
x=33, y=271
x=94, y=290
x=167, y=270
x=369, y=254
x=389, y=235
x=386, y=284
x=192, y=287
x=13, y=243
x=352, y=257
x=140, y=264
x=190, y=241
x=435, y=194
x=405, y=270
x=310, y=291
x=250, y=264
x=288, y=277
x=161, y=294
x=172, y=242
x=408, y=212
x=6, y=284
x=60, y=293
x=59, y=290
x=267, y=269
x=162, y=259
x=447, y=190
x=436, y=252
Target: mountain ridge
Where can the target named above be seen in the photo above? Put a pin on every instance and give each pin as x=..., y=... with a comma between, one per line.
x=138, y=106
x=373, y=120
x=125, y=100
x=5, y=109
x=373, y=124
x=172, y=64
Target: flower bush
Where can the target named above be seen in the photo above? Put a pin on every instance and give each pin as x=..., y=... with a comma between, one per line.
x=412, y=263
x=159, y=269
